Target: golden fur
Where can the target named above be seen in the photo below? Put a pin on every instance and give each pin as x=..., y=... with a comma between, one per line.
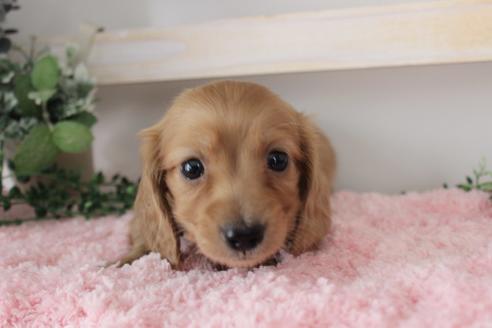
x=231, y=126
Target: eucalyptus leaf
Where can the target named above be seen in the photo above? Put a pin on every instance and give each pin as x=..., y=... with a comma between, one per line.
x=36, y=152
x=22, y=89
x=84, y=118
x=45, y=73
x=72, y=137
x=42, y=96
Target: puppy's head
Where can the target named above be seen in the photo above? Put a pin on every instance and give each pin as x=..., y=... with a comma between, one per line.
x=231, y=165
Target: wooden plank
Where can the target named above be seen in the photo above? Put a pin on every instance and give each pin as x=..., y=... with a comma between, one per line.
x=392, y=35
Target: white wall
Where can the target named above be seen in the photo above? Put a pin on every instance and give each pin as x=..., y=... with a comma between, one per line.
x=395, y=129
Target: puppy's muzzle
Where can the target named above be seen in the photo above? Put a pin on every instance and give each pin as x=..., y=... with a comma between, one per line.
x=242, y=237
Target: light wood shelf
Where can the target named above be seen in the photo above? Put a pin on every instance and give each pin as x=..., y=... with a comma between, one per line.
x=392, y=35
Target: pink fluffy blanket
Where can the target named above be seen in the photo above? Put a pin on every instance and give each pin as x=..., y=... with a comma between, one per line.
x=417, y=260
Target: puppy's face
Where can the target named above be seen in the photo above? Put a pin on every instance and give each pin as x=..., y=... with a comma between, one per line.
x=231, y=166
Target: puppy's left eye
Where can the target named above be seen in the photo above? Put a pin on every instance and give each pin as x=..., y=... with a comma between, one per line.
x=192, y=169
x=277, y=160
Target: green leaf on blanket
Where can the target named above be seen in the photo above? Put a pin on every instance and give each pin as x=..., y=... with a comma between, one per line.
x=486, y=186
x=476, y=182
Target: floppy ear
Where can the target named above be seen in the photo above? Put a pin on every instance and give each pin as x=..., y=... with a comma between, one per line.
x=153, y=228
x=317, y=169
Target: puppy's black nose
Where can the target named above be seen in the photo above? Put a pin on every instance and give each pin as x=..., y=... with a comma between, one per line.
x=243, y=238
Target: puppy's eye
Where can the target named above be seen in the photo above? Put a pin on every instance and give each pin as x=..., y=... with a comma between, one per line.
x=192, y=169
x=277, y=160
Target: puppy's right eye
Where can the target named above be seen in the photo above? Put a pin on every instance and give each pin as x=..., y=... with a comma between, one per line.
x=192, y=169
x=277, y=160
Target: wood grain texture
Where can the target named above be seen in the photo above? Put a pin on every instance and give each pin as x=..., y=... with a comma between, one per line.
x=393, y=35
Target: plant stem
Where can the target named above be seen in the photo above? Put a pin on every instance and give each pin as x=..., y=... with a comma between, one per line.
x=46, y=115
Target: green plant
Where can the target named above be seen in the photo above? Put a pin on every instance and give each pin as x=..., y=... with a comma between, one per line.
x=46, y=108
x=477, y=181
x=64, y=194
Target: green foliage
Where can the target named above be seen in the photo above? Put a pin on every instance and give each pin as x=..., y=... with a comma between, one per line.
x=72, y=137
x=41, y=90
x=17, y=129
x=45, y=73
x=36, y=152
x=46, y=107
x=22, y=88
x=62, y=193
x=476, y=182
x=85, y=118
x=41, y=97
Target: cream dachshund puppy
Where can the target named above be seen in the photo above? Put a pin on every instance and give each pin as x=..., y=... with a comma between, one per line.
x=236, y=171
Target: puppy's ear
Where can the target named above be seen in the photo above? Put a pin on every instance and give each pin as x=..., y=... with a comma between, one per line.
x=317, y=168
x=153, y=228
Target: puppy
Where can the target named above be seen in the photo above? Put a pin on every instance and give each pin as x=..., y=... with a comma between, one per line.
x=236, y=171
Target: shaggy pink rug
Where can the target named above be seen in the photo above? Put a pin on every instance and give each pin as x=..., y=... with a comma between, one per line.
x=417, y=260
